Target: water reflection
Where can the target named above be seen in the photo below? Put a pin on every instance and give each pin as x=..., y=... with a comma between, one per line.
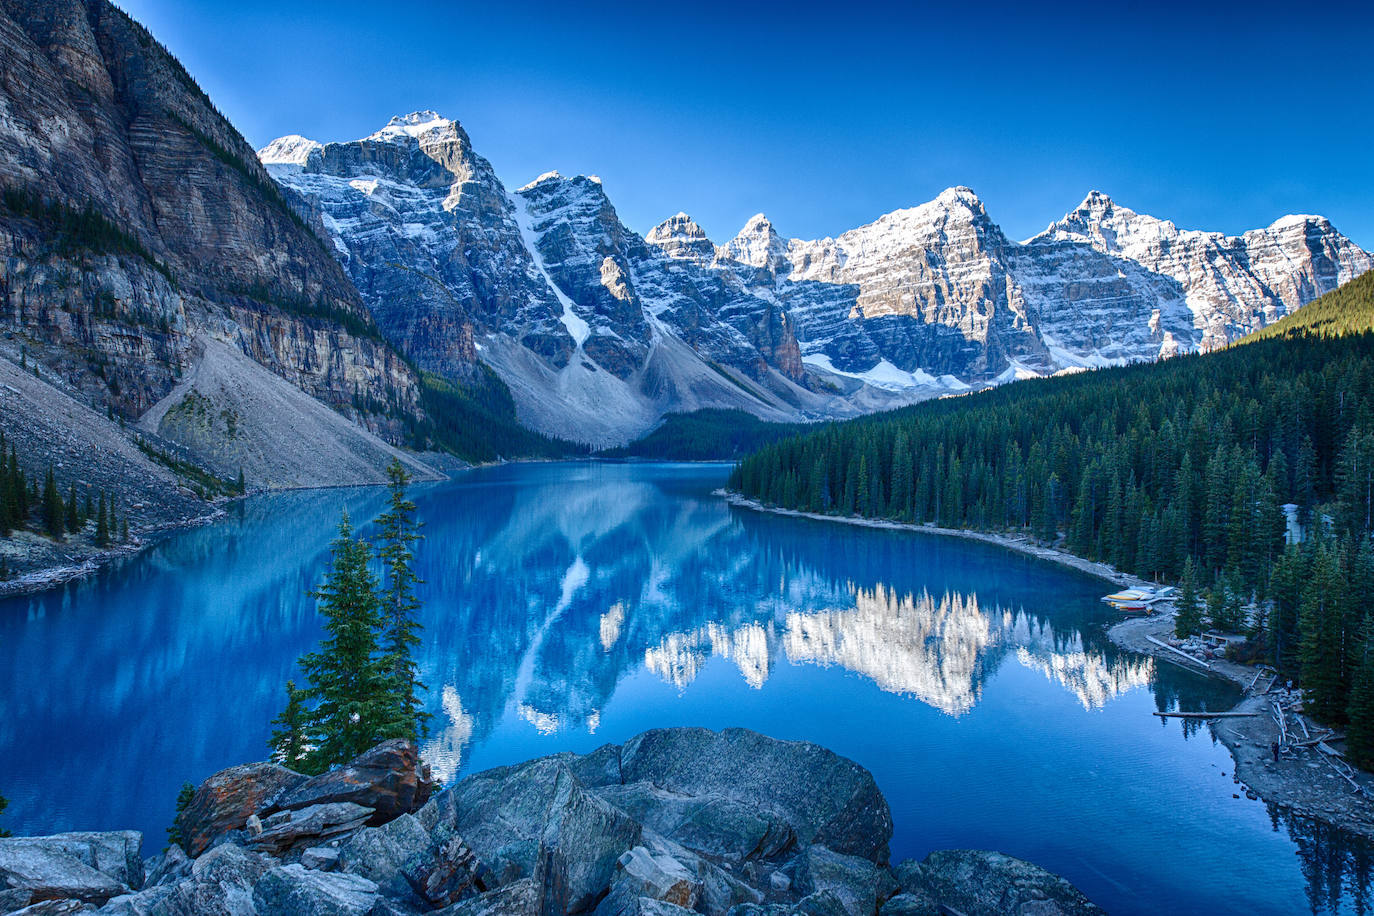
x=567, y=605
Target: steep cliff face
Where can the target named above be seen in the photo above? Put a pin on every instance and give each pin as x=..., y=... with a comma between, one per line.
x=1230, y=285
x=136, y=219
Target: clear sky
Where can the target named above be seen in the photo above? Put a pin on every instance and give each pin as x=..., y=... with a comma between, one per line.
x=826, y=115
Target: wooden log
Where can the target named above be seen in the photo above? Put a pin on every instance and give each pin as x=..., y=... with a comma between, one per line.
x=1179, y=652
x=1206, y=715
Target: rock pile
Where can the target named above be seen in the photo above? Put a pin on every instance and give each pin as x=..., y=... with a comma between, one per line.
x=674, y=821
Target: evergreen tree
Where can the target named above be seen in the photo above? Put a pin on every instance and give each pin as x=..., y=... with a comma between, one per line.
x=52, y=507
x=4, y=803
x=1359, y=739
x=1323, y=648
x=348, y=683
x=399, y=531
x=240, y=486
x=176, y=834
x=290, y=741
x=73, y=517
x=102, y=523
x=87, y=509
x=1188, y=621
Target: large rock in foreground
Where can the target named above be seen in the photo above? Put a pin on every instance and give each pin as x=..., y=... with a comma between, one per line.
x=673, y=822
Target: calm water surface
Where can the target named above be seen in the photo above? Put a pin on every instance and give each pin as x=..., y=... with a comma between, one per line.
x=569, y=605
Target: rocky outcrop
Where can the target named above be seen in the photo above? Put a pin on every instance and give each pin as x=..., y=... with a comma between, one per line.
x=390, y=779
x=675, y=821
x=136, y=220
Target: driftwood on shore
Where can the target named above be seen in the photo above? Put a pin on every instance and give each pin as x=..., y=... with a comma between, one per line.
x=1179, y=652
x=1206, y=715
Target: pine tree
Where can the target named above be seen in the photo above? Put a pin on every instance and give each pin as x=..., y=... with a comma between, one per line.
x=176, y=834
x=348, y=682
x=87, y=510
x=4, y=803
x=52, y=507
x=1359, y=738
x=73, y=519
x=399, y=531
x=290, y=741
x=102, y=523
x=1323, y=650
x=1188, y=621
x=240, y=486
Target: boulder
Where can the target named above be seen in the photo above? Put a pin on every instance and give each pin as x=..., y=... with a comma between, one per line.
x=905, y=904
x=56, y=868
x=981, y=883
x=322, y=857
x=224, y=802
x=859, y=884
x=712, y=824
x=389, y=778
x=167, y=866
x=293, y=890
x=382, y=855
x=659, y=877
x=54, y=908
x=449, y=874
x=288, y=830
x=823, y=797
x=519, y=898
x=581, y=843
x=15, y=898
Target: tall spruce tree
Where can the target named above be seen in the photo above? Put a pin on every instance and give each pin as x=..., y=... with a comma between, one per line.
x=52, y=507
x=1188, y=621
x=102, y=523
x=72, y=521
x=4, y=803
x=348, y=683
x=1359, y=736
x=290, y=741
x=399, y=531
x=1323, y=647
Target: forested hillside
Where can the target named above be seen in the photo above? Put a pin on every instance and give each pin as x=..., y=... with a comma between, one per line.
x=1157, y=469
x=706, y=435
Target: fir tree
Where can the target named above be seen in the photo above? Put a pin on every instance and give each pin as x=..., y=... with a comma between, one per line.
x=399, y=531
x=1323, y=649
x=348, y=683
x=1188, y=621
x=240, y=485
x=4, y=803
x=290, y=741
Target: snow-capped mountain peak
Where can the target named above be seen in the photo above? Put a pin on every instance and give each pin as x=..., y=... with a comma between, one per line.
x=415, y=125
x=680, y=237
x=553, y=175
x=293, y=149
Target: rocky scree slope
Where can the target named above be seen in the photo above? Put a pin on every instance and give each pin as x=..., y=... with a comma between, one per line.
x=674, y=821
x=136, y=222
x=599, y=332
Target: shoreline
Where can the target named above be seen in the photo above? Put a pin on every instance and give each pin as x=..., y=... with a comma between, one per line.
x=1300, y=781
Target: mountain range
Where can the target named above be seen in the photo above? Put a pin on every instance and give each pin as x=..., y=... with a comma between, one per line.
x=296, y=313
x=598, y=331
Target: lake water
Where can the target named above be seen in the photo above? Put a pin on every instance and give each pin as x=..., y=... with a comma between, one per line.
x=569, y=605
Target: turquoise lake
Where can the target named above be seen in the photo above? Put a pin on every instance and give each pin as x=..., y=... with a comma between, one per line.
x=570, y=605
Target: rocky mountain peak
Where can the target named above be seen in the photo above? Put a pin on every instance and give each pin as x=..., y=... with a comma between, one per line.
x=293, y=149
x=415, y=125
x=680, y=237
x=758, y=244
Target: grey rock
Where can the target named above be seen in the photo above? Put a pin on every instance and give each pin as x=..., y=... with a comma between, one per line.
x=643, y=873
x=321, y=857
x=519, y=898
x=63, y=868
x=293, y=890
x=169, y=865
x=383, y=854
x=14, y=899
x=310, y=826
x=910, y=904
x=54, y=908
x=859, y=884
x=451, y=872
x=825, y=798
x=980, y=883
x=224, y=802
x=713, y=824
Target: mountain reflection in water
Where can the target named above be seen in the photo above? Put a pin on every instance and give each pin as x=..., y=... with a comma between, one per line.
x=570, y=605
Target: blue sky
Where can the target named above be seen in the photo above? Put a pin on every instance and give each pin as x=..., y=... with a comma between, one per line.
x=826, y=115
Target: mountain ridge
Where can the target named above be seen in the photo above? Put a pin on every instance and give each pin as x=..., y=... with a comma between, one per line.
x=554, y=290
